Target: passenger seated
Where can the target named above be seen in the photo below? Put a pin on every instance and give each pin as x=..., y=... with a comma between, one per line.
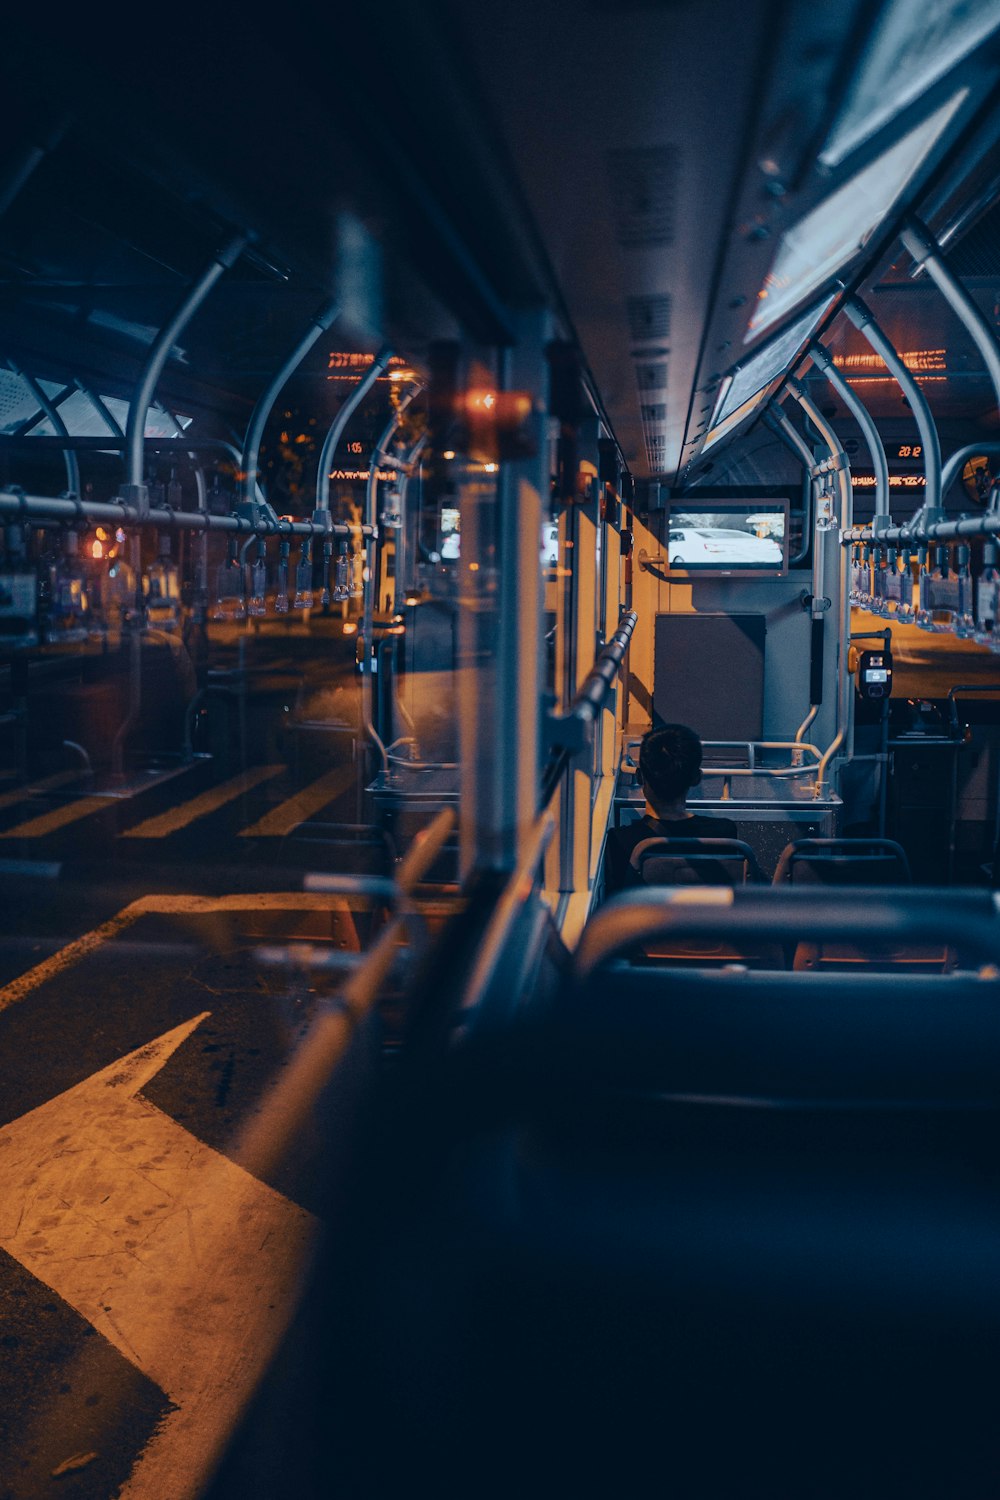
x=669, y=765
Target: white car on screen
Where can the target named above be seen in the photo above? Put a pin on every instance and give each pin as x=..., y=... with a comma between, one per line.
x=716, y=545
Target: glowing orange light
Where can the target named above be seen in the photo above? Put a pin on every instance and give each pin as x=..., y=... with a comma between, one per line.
x=97, y=550
x=473, y=567
x=102, y=535
x=491, y=468
x=913, y=359
x=350, y=628
x=448, y=453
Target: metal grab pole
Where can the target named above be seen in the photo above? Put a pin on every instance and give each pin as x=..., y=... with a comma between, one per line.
x=839, y=459
x=320, y=322
x=926, y=252
x=822, y=357
x=380, y=452
x=864, y=320
x=779, y=424
x=341, y=420
x=52, y=412
x=163, y=343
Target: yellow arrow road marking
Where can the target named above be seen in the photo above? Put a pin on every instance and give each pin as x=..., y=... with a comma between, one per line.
x=288, y=815
x=183, y=1261
x=199, y=807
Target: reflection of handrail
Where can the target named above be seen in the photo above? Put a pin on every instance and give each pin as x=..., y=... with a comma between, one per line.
x=159, y=353
x=341, y=420
x=284, y=1111
x=120, y=514
x=512, y=900
x=318, y=325
x=967, y=687
x=967, y=918
x=52, y=412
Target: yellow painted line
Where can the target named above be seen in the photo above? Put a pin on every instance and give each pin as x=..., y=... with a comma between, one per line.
x=165, y=905
x=51, y=822
x=25, y=793
x=288, y=815
x=188, y=1265
x=199, y=807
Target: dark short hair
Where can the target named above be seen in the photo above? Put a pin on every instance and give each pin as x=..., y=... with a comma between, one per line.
x=669, y=762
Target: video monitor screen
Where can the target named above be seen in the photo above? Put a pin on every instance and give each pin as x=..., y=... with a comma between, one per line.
x=716, y=539
x=450, y=528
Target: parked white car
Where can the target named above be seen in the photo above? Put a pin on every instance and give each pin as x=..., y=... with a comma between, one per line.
x=689, y=546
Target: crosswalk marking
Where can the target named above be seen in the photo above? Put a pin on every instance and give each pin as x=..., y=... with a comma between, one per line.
x=288, y=815
x=25, y=793
x=199, y=807
x=51, y=822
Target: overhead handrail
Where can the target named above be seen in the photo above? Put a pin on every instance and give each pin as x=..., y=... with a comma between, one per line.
x=285, y=1109
x=926, y=252
x=120, y=513
x=340, y=421
x=967, y=919
x=918, y=530
x=864, y=320
x=318, y=325
x=160, y=351
x=51, y=410
x=873, y=441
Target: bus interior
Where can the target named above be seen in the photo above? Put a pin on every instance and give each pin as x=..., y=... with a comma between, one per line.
x=404, y=411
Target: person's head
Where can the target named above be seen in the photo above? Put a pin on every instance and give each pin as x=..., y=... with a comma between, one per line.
x=669, y=764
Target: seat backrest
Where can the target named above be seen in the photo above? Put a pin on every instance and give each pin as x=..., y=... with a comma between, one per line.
x=854, y=861
x=701, y=861
x=850, y=1039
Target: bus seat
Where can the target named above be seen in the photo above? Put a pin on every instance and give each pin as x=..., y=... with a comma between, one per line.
x=703, y=861
x=841, y=861
x=856, y=861
x=742, y=1227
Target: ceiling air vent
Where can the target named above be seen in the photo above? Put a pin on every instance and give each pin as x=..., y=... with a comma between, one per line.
x=644, y=195
x=653, y=414
x=656, y=451
x=648, y=317
x=651, y=377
